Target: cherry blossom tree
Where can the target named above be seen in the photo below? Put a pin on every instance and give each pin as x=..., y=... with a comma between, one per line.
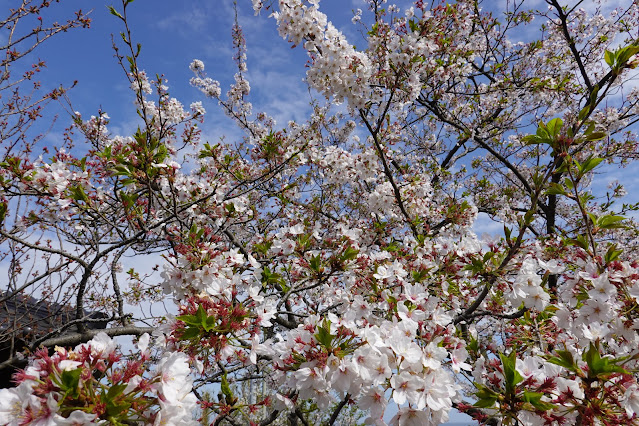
x=335, y=262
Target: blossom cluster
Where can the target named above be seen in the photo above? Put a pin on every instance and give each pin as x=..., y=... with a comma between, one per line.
x=94, y=383
x=338, y=69
x=332, y=356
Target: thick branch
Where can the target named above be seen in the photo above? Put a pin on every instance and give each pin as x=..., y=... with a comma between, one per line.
x=77, y=338
x=571, y=43
x=337, y=410
x=389, y=174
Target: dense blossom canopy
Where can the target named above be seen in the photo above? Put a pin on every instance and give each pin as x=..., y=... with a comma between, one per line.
x=329, y=270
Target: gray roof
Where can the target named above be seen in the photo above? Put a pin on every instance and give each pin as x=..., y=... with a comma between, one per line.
x=25, y=318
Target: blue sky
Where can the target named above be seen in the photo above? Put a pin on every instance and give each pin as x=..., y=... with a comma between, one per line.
x=172, y=34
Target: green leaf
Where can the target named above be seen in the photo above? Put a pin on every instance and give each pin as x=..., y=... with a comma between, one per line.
x=349, y=253
x=542, y=132
x=485, y=402
x=106, y=153
x=211, y=323
x=420, y=275
x=546, y=133
x=263, y=248
x=554, y=127
x=564, y=166
x=599, y=367
x=612, y=254
x=114, y=410
x=201, y=316
x=323, y=334
x=593, y=96
x=565, y=359
x=511, y=375
x=625, y=53
x=590, y=164
x=584, y=112
x=190, y=333
x=555, y=189
x=78, y=194
x=507, y=232
x=189, y=319
x=596, y=136
x=4, y=206
x=610, y=221
x=122, y=171
x=568, y=184
x=487, y=256
x=392, y=247
x=269, y=277
x=373, y=29
x=473, y=345
x=607, y=367
x=115, y=391
x=315, y=263
x=114, y=12
x=579, y=241
x=609, y=57
x=534, y=398
x=532, y=140
x=486, y=397
x=70, y=380
x=591, y=357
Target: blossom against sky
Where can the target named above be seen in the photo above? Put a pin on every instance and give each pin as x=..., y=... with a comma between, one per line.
x=172, y=34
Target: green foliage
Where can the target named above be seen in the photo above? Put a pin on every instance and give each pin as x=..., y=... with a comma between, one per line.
x=618, y=59
x=598, y=367
x=69, y=381
x=511, y=375
x=564, y=359
x=486, y=397
x=226, y=390
x=546, y=133
x=513, y=397
x=115, y=12
x=3, y=211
